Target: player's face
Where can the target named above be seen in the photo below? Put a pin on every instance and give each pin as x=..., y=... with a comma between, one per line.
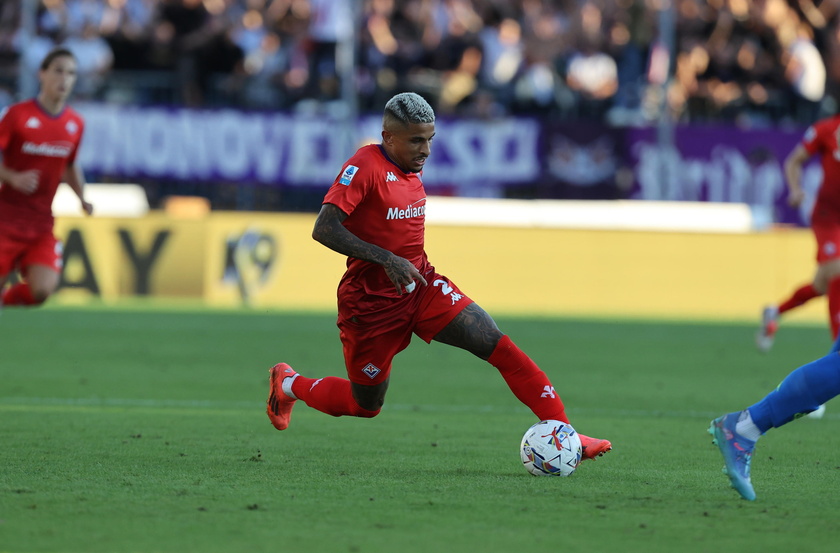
x=409, y=146
x=58, y=78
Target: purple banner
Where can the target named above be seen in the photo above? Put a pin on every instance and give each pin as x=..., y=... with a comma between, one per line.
x=515, y=157
x=470, y=157
x=719, y=164
x=583, y=162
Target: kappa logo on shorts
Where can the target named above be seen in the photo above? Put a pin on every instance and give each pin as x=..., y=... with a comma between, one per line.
x=371, y=370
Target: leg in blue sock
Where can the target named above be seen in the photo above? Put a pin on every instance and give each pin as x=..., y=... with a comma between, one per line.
x=802, y=391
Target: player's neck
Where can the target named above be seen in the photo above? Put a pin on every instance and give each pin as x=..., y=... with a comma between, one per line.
x=53, y=106
x=390, y=158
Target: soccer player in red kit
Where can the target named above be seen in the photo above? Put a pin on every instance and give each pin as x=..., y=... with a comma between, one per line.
x=374, y=213
x=820, y=139
x=39, y=139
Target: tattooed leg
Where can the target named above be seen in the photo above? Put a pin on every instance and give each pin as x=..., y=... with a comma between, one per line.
x=474, y=330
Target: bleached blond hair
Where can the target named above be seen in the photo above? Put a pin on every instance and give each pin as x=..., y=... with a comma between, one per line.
x=407, y=108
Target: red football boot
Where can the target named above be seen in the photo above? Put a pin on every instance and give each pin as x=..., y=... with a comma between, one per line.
x=593, y=447
x=279, y=405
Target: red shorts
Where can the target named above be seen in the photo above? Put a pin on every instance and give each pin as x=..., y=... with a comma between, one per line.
x=828, y=242
x=370, y=344
x=19, y=250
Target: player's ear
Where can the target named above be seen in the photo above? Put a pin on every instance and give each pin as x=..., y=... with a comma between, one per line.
x=387, y=137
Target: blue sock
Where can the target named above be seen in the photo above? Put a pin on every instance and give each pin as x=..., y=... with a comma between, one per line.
x=802, y=391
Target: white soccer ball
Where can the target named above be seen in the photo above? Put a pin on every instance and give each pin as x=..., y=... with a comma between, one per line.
x=551, y=448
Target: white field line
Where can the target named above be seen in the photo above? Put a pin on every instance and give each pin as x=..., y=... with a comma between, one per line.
x=162, y=405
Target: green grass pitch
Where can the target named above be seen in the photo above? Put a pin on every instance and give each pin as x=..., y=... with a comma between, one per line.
x=143, y=430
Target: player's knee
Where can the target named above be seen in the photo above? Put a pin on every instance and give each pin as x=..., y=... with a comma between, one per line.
x=368, y=400
x=39, y=295
x=364, y=412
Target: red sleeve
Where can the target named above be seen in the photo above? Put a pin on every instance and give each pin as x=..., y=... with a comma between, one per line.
x=350, y=186
x=815, y=137
x=6, y=128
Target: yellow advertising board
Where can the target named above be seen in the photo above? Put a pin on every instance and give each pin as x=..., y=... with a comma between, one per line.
x=223, y=259
x=625, y=273
x=116, y=257
x=270, y=260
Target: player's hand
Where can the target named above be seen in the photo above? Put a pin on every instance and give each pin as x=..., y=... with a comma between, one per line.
x=403, y=274
x=87, y=207
x=795, y=197
x=25, y=181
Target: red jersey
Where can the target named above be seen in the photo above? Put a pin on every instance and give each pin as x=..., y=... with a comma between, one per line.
x=385, y=206
x=32, y=138
x=821, y=138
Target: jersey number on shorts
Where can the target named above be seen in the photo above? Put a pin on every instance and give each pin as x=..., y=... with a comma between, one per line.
x=446, y=289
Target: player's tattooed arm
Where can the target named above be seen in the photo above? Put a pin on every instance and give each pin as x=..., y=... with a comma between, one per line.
x=330, y=232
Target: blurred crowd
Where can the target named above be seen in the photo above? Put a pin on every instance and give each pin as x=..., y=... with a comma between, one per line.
x=750, y=61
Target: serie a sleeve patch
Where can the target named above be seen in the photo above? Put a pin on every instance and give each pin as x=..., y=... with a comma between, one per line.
x=348, y=174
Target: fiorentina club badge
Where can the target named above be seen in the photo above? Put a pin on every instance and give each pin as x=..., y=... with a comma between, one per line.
x=371, y=370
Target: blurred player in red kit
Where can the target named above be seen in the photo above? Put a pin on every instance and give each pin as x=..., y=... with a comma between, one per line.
x=820, y=139
x=374, y=213
x=39, y=139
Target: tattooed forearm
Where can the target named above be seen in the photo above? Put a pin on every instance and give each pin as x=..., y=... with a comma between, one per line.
x=330, y=232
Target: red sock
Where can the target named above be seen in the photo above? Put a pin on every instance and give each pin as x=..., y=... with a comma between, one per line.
x=834, y=305
x=527, y=381
x=19, y=294
x=330, y=395
x=800, y=296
